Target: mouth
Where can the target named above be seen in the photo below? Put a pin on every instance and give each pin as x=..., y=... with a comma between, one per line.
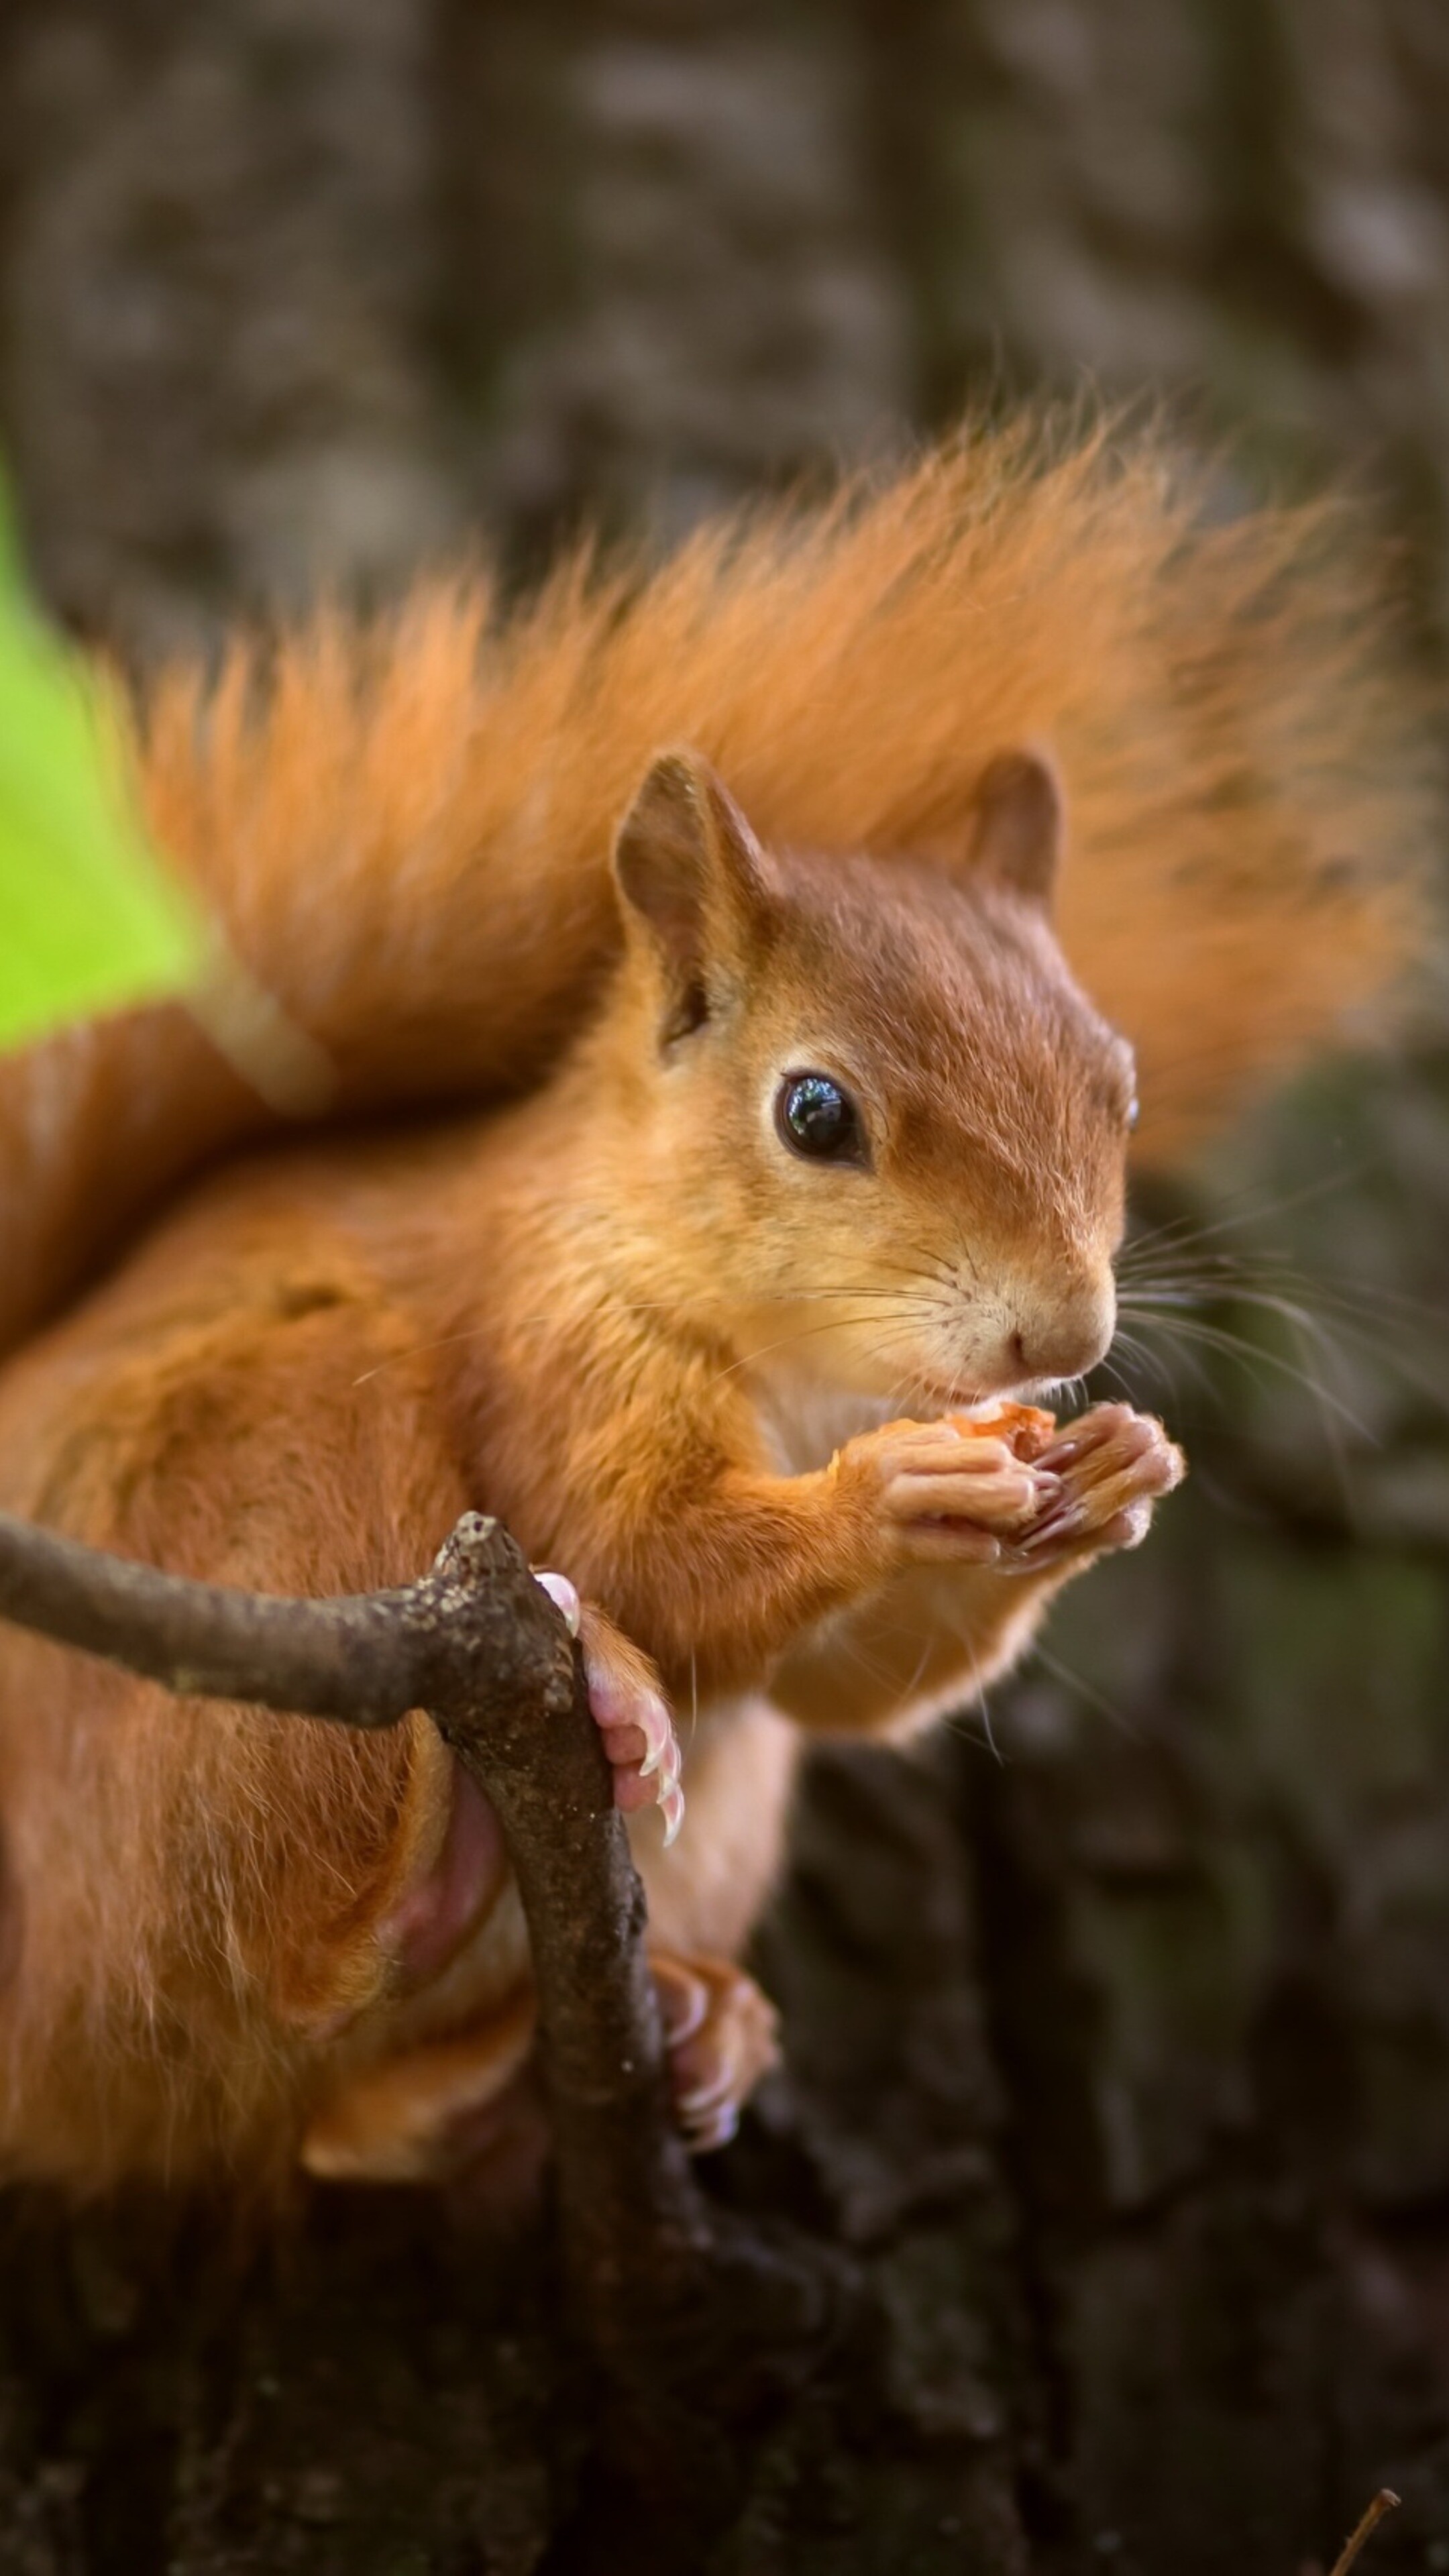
x=960, y=1395
x=955, y=1396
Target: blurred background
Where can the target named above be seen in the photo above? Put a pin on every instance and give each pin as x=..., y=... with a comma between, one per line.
x=301, y=290
x=1120, y=2035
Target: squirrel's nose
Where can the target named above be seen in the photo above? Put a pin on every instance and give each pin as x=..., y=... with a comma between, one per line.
x=1065, y=1335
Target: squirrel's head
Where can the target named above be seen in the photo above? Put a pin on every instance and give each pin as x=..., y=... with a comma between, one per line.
x=891, y=1129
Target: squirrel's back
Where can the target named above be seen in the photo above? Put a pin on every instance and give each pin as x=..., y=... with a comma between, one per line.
x=404, y=825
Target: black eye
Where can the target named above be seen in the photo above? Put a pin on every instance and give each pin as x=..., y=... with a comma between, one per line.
x=815, y=1117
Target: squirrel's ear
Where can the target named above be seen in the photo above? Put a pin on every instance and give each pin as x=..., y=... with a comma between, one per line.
x=1019, y=827
x=690, y=869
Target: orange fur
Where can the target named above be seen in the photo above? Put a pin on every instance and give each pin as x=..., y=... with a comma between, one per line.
x=584, y=1312
x=404, y=827
x=617, y=1309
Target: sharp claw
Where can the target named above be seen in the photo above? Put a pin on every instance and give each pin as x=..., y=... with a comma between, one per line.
x=704, y=2099
x=1060, y=1525
x=715, y=2132
x=653, y=1717
x=563, y=1595
x=671, y=1808
x=684, y=2008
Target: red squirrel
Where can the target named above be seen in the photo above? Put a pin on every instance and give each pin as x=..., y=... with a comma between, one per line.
x=812, y=1180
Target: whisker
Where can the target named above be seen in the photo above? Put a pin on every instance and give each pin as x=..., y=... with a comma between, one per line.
x=1116, y=1378
x=1187, y=1230
x=1253, y=1357
x=1153, y=1364
x=1330, y=1313
x=1225, y=1277
x=787, y=1341
x=1082, y=1689
x=926, y=1302
x=935, y=1267
x=979, y=1702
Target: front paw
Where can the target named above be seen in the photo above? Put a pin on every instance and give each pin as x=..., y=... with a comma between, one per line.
x=1111, y=1466
x=629, y=1708
x=948, y=1492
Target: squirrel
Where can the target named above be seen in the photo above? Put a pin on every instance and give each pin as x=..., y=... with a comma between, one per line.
x=773, y=1166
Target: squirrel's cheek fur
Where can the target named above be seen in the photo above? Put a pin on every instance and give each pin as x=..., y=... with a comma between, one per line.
x=961, y=1244
x=1026, y=688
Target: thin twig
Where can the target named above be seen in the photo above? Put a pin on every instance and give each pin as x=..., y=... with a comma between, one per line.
x=1368, y=2522
x=351, y=1659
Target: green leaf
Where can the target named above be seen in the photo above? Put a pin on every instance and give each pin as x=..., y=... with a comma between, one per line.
x=89, y=919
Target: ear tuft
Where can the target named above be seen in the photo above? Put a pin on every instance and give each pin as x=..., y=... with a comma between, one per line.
x=691, y=871
x=1020, y=825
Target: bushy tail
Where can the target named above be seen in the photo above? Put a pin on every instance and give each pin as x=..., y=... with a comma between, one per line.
x=404, y=827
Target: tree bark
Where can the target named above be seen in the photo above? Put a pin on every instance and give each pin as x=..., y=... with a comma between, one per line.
x=1117, y=2079
x=668, y=2305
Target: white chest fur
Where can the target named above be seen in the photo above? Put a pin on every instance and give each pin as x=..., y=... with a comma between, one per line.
x=804, y=1421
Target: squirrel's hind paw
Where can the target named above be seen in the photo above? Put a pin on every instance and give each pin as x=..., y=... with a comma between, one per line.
x=629, y=1708
x=719, y=2030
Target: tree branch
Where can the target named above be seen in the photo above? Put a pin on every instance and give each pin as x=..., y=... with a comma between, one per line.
x=353, y=1659
x=480, y=1646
